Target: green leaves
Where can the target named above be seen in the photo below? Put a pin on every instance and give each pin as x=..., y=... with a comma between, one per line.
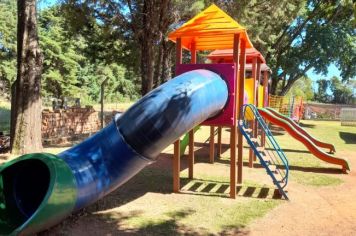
x=341, y=92
x=8, y=21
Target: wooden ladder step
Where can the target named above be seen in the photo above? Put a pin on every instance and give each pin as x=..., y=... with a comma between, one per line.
x=260, y=149
x=255, y=140
x=266, y=158
x=273, y=168
x=247, y=130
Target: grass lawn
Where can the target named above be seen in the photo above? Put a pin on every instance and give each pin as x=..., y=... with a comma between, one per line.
x=145, y=205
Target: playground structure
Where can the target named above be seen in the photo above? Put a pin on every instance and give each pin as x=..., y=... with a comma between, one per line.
x=201, y=94
x=289, y=106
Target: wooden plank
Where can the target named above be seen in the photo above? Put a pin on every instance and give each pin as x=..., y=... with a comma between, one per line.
x=219, y=142
x=273, y=168
x=265, y=102
x=193, y=54
x=193, y=60
x=236, y=48
x=247, y=130
x=176, y=152
x=241, y=83
x=191, y=154
x=253, y=96
x=212, y=144
x=233, y=162
x=176, y=167
x=258, y=79
x=178, y=53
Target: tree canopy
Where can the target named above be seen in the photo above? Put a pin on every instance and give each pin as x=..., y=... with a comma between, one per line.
x=334, y=90
x=84, y=40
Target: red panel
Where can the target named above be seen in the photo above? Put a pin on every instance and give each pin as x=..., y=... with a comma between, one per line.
x=227, y=72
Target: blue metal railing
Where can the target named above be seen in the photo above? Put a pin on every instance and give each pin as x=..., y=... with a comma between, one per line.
x=277, y=156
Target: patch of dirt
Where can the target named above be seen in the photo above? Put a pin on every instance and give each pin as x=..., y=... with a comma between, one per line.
x=314, y=211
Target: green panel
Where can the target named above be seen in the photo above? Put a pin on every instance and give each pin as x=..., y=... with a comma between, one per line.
x=57, y=203
x=185, y=141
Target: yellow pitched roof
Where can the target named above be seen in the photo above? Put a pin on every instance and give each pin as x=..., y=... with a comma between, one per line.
x=211, y=29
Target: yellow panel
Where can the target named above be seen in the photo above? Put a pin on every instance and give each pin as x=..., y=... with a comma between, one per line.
x=260, y=96
x=249, y=91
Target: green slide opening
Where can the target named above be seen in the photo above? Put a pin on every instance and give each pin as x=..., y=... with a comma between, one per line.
x=23, y=187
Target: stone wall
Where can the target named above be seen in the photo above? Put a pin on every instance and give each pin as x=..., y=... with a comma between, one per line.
x=324, y=111
x=61, y=126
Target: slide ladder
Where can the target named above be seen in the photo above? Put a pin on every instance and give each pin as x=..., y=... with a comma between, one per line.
x=271, y=157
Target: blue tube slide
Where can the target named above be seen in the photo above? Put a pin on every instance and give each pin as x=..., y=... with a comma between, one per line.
x=90, y=170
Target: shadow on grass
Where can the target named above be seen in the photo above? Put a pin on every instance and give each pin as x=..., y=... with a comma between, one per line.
x=211, y=188
x=306, y=125
x=203, y=153
x=290, y=150
x=321, y=170
x=349, y=138
x=100, y=219
x=110, y=223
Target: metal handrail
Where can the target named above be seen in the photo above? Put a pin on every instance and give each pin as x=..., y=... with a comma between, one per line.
x=270, y=138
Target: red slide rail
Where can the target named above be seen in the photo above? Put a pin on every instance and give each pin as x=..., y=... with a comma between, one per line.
x=301, y=138
x=303, y=132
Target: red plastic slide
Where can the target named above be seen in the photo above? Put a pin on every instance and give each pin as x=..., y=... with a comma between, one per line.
x=303, y=139
x=302, y=131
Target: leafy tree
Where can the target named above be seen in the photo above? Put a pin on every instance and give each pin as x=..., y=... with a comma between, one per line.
x=8, y=20
x=296, y=36
x=342, y=93
x=322, y=95
x=142, y=26
x=62, y=57
x=302, y=88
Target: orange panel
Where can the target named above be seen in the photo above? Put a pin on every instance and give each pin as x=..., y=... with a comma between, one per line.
x=211, y=29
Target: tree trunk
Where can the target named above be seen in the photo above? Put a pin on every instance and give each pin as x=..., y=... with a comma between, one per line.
x=26, y=102
x=274, y=85
x=147, y=48
x=166, y=61
x=287, y=87
x=158, y=66
x=147, y=65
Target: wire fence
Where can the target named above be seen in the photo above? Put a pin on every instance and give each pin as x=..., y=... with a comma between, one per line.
x=322, y=111
x=348, y=116
x=289, y=106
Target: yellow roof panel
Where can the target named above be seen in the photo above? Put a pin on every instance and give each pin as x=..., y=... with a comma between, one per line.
x=211, y=29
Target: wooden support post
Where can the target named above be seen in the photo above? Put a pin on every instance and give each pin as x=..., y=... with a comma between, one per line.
x=212, y=144
x=241, y=90
x=252, y=122
x=176, y=167
x=265, y=101
x=191, y=158
x=219, y=142
x=193, y=54
x=191, y=154
x=178, y=53
x=176, y=151
x=258, y=80
x=233, y=133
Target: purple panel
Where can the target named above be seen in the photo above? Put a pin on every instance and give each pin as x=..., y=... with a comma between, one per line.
x=227, y=72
